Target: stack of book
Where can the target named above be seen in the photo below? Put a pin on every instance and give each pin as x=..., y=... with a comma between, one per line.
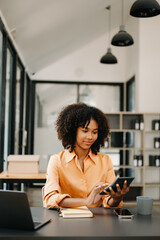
x=78, y=212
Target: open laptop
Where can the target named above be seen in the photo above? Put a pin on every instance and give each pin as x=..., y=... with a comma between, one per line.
x=15, y=211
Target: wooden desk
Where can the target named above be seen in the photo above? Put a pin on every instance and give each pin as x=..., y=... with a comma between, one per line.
x=104, y=225
x=10, y=179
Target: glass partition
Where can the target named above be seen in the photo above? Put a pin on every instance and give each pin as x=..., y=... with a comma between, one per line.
x=52, y=97
x=1, y=50
x=1, y=54
x=17, y=111
x=105, y=97
x=12, y=96
x=1, y=102
x=8, y=100
x=26, y=115
x=130, y=95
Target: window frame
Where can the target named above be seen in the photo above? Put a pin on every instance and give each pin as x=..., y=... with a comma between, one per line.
x=8, y=44
x=33, y=92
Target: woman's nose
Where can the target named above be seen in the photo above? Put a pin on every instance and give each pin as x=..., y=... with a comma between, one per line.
x=89, y=135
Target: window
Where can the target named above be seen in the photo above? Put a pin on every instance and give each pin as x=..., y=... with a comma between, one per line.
x=8, y=100
x=130, y=98
x=105, y=97
x=50, y=98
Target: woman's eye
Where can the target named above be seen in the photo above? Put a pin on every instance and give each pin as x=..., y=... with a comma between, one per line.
x=95, y=132
x=84, y=131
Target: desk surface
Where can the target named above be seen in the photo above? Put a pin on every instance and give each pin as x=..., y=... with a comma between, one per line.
x=5, y=175
x=104, y=224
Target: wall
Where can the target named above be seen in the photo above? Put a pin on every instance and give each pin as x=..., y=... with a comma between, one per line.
x=84, y=65
x=141, y=59
x=131, y=54
x=148, y=75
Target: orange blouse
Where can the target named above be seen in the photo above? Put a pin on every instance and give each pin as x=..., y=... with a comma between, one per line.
x=65, y=177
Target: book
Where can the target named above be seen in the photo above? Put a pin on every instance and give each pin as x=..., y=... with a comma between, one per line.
x=78, y=212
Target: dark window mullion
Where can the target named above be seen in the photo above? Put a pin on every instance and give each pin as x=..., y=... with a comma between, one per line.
x=21, y=110
x=122, y=97
x=27, y=114
x=11, y=136
x=32, y=114
x=2, y=100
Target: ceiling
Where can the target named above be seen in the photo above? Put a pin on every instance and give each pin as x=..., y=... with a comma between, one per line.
x=47, y=30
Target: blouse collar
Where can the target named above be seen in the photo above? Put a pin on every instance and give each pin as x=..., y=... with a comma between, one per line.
x=71, y=155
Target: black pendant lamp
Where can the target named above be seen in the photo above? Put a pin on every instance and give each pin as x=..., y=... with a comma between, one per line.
x=145, y=8
x=108, y=58
x=122, y=38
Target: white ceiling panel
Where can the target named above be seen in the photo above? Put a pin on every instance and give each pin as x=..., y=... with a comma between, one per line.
x=48, y=30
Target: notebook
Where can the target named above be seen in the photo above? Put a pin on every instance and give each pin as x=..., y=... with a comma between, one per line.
x=15, y=211
x=78, y=212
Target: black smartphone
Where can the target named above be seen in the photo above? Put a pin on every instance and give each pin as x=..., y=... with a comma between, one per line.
x=120, y=181
x=123, y=213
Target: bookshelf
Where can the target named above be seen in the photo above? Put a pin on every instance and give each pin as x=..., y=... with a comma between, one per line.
x=134, y=147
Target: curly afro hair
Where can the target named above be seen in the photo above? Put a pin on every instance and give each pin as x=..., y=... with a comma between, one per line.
x=78, y=115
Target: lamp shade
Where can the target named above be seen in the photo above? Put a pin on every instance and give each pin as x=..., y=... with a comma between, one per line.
x=122, y=38
x=108, y=58
x=145, y=8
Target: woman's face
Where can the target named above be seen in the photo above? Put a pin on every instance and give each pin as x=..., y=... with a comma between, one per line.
x=87, y=136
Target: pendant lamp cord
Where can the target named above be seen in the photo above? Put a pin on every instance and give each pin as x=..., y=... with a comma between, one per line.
x=122, y=12
x=109, y=22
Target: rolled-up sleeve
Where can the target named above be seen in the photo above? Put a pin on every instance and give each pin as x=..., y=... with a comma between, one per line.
x=51, y=192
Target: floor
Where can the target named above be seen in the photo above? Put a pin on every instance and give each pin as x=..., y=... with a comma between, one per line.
x=35, y=199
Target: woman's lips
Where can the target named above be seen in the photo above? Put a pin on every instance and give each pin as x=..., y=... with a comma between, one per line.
x=88, y=143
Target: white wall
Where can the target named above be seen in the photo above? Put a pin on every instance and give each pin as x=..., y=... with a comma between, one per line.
x=142, y=60
x=84, y=65
x=148, y=77
x=131, y=57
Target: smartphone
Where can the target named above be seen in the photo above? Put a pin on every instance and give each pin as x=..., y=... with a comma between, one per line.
x=123, y=213
x=120, y=181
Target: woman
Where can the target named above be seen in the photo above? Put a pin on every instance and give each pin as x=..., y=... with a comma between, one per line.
x=76, y=175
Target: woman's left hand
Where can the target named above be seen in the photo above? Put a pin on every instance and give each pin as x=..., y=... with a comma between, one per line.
x=118, y=196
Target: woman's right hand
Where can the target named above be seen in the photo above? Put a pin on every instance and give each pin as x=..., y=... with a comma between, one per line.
x=94, y=196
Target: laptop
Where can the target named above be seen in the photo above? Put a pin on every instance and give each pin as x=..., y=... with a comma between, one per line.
x=15, y=211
